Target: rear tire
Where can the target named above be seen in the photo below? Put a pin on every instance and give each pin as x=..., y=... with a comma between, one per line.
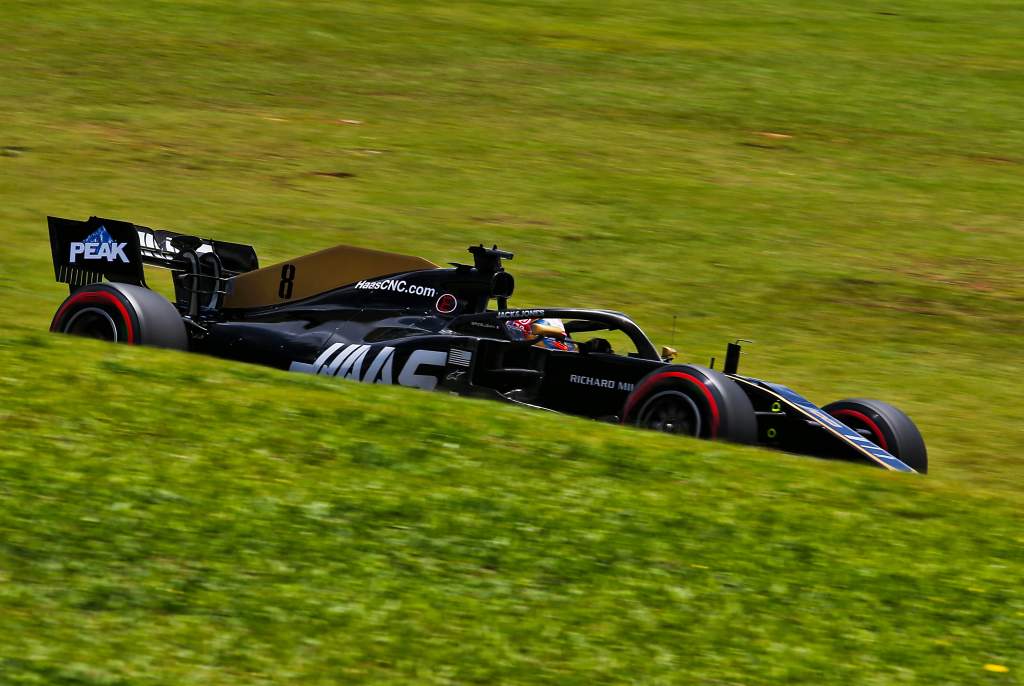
x=121, y=313
x=885, y=426
x=693, y=401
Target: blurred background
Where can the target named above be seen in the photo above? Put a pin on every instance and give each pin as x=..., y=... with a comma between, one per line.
x=841, y=182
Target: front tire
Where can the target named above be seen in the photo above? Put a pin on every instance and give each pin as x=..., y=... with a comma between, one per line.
x=885, y=426
x=692, y=401
x=121, y=313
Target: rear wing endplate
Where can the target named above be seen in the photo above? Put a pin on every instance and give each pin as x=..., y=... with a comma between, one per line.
x=89, y=251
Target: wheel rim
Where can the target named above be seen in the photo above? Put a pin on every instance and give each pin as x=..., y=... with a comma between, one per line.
x=864, y=425
x=671, y=412
x=92, y=322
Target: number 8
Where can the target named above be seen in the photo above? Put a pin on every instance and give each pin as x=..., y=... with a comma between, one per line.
x=284, y=291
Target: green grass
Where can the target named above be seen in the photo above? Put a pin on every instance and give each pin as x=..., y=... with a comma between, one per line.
x=843, y=183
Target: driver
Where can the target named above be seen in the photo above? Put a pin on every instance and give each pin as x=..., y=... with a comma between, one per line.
x=551, y=333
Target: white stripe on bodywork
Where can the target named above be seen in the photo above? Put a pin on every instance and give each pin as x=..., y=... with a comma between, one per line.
x=876, y=452
x=317, y=364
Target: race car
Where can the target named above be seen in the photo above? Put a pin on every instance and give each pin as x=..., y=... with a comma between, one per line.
x=386, y=318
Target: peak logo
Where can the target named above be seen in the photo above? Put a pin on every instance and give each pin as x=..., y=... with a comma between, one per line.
x=98, y=245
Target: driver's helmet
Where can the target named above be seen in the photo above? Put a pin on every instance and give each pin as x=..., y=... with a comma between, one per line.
x=551, y=331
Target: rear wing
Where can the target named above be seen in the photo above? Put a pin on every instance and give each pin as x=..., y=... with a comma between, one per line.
x=89, y=251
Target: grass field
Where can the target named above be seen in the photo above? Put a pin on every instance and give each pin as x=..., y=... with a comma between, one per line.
x=841, y=182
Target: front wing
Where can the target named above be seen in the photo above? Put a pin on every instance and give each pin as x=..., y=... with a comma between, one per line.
x=812, y=412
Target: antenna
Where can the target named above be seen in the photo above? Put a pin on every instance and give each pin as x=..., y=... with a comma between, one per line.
x=672, y=340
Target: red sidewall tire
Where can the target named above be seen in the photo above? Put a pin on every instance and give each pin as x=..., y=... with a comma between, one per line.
x=725, y=410
x=137, y=315
x=120, y=312
x=890, y=428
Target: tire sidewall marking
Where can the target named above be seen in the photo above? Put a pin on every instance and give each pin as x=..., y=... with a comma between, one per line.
x=642, y=390
x=96, y=298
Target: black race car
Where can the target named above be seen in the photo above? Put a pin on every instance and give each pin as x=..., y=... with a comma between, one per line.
x=380, y=317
